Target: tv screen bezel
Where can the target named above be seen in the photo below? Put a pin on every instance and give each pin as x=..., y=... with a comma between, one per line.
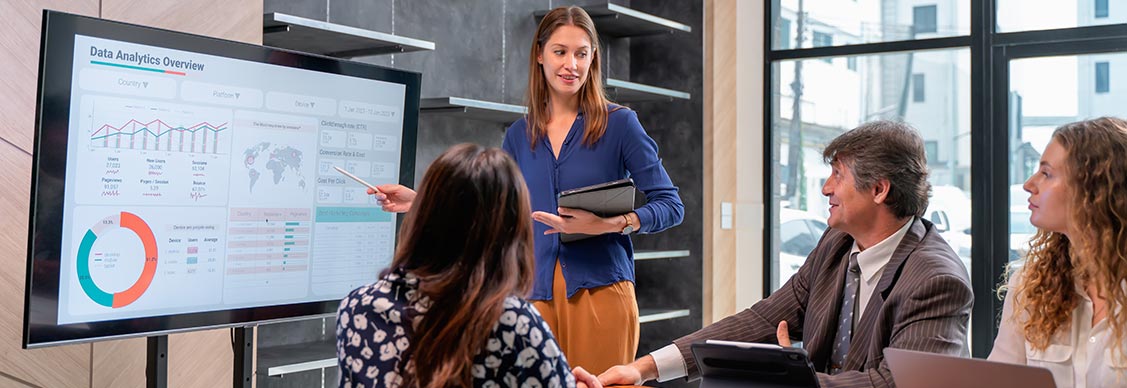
x=53, y=106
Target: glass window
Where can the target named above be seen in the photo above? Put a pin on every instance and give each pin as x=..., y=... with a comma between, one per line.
x=796, y=238
x=923, y=19
x=917, y=88
x=932, y=149
x=1102, y=77
x=1045, y=93
x=799, y=233
x=868, y=21
x=817, y=226
x=1025, y=15
x=822, y=39
x=783, y=35
x=939, y=218
x=828, y=100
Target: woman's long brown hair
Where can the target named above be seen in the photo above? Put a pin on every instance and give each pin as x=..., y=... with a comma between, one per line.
x=1096, y=251
x=468, y=237
x=593, y=99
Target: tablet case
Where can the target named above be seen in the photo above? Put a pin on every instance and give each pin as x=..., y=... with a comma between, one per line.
x=727, y=364
x=604, y=199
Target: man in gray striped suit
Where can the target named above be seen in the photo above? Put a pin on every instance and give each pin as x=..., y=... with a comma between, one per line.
x=880, y=276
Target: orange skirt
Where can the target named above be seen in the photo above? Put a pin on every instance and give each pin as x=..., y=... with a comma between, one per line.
x=597, y=328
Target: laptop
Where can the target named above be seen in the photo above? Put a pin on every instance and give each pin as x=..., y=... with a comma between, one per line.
x=912, y=369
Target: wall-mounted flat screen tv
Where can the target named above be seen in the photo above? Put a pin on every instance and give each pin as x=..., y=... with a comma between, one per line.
x=183, y=182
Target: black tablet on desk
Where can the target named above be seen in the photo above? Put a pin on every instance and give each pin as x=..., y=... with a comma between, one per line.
x=604, y=199
x=729, y=364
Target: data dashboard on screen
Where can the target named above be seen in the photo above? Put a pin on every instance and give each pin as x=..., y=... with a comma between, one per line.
x=203, y=183
x=197, y=182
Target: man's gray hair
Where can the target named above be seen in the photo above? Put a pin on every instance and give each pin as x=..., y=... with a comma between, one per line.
x=886, y=150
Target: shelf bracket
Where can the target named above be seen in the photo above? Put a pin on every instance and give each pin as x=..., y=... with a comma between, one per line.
x=275, y=29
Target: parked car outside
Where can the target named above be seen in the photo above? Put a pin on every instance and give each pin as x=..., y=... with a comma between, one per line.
x=949, y=209
x=799, y=232
x=1021, y=231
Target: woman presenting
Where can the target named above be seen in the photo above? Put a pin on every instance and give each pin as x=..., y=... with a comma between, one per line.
x=573, y=136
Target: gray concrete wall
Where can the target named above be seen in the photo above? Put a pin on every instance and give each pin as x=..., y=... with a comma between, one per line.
x=676, y=62
x=482, y=53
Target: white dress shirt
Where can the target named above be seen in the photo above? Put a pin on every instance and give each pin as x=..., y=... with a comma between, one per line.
x=670, y=364
x=1079, y=354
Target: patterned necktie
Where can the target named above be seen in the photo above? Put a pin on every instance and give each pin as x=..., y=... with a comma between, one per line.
x=845, y=319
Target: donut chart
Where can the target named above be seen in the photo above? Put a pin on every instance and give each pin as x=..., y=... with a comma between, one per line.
x=120, y=299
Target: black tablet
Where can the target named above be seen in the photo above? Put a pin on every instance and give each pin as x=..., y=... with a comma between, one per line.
x=604, y=199
x=725, y=364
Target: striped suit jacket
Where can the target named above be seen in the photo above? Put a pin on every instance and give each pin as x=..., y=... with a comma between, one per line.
x=922, y=302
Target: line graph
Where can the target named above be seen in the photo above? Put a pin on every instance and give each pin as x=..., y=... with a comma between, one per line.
x=159, y=135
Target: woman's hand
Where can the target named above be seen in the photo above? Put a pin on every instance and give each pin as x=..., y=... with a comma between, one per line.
x=394, y=198
x=572, y=220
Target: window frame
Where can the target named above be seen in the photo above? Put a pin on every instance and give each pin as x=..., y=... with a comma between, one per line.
x=990, y=54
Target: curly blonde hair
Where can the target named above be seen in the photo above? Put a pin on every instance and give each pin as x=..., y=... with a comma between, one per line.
x=1096, y=253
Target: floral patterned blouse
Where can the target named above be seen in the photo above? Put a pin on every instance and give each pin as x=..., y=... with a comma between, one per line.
x=373, y=334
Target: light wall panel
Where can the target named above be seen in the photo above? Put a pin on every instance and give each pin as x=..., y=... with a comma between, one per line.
x=66, y=366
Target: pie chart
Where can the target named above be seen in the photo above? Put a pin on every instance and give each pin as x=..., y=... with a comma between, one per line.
x=136, y=225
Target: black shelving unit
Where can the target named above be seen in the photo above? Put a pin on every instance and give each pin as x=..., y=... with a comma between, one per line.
x=278, y=361
x=619, y=21
x=335, y=40
x=472, y=109
x=653, y=255
x=626, y=91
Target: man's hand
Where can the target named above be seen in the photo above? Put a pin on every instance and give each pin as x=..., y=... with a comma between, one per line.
x=783, y=334
x=584, y=379
x=634, y=373
x=394, y=198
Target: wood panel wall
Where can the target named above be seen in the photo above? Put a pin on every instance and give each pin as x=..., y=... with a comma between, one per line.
x=199, y=359
x=733, y=156
x=239, y=20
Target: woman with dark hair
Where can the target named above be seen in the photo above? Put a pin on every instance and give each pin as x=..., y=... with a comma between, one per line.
x=448, y=310
x=573, y=136
x=1064, y=305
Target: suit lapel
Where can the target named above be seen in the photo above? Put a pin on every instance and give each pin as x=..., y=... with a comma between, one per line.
x=865, y=331
x=824, y=305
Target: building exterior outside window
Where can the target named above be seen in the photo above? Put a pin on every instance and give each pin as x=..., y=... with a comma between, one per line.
x=918, y=88
x=923, y=19
x=1102, y=77
x=1101, y=8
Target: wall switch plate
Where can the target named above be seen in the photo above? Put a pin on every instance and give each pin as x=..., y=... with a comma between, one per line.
x=725, y=215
